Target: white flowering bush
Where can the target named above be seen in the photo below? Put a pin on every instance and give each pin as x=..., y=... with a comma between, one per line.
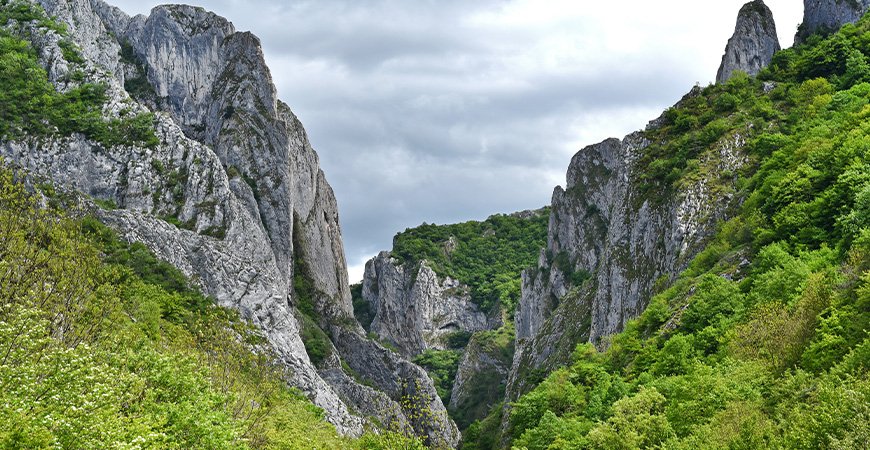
x=79, y=366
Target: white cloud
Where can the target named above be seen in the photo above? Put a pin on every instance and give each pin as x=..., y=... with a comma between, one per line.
x=356, y=270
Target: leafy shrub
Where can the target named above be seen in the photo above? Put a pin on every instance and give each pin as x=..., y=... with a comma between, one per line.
x=70, y=53
x=717, y=301
x=637, y=422
x=725, y=102
x=317, y=344
x=555, y=433
x=441, y=365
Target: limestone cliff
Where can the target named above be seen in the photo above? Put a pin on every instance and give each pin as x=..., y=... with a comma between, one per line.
x=603, y=224
x=829, y=15
x=232, y=194
x=753, y=44
x=414, y=309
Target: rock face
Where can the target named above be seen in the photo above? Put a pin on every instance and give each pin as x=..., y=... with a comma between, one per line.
x=830, y=15
x=601, y=223
x=235, y=170
x=404, y=383
x=414, y=309
x=214, y=83
x=753, y=44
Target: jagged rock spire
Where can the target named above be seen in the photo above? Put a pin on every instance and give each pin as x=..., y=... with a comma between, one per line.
x=753, y=44
x=830, y=14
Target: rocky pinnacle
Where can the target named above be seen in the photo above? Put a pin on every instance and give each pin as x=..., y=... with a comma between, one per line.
x=753, y=44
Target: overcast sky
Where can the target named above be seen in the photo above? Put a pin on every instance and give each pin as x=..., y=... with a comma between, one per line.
x=453, y=110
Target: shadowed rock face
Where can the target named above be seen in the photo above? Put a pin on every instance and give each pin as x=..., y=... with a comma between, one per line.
x=753, y=44
x=830, y=15
x=481, y=373
x=235, y=167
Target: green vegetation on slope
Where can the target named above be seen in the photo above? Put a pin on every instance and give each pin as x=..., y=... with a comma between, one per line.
x=29, y=104
x=763, y=342
x=441, y=366
x=104, y=346
x=488, y=256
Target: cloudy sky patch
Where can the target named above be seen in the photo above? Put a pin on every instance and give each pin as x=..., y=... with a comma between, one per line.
x=447, y=111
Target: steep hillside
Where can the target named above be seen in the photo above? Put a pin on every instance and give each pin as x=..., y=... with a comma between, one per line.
x=761, y=342
x=105, y=346
x=172, y=123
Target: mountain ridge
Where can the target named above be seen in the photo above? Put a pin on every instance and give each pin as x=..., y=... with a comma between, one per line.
x=242, y=212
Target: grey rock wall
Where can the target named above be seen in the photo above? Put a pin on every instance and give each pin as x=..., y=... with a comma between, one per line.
x=400, y=380
x=829, y=14
x=414, y=309
x=626, y=242
x=541, y=286
x=479, y=379
x=753, y=43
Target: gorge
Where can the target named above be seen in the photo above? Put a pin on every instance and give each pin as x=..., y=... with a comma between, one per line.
x=682, y=253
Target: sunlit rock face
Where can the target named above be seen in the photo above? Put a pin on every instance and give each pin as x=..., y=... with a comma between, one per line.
x=753, y=44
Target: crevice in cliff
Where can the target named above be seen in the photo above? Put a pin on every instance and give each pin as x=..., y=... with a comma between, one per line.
x=304, y=289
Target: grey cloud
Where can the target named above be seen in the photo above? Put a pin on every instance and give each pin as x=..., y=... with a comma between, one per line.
x=366, y=35
x=420, y=114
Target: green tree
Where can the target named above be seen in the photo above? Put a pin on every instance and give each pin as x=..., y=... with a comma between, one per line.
x=638, y=422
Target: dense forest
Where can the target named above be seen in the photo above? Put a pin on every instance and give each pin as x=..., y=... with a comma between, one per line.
x=763, y=341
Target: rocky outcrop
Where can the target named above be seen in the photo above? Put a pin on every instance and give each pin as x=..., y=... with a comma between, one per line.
x=829, y=15
x=542, y=288
x=405, y=383
x=414, y=308
x=214, y=83
x=235, y=173
x=628, y=241
x=567, y=324
x=753, y=43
